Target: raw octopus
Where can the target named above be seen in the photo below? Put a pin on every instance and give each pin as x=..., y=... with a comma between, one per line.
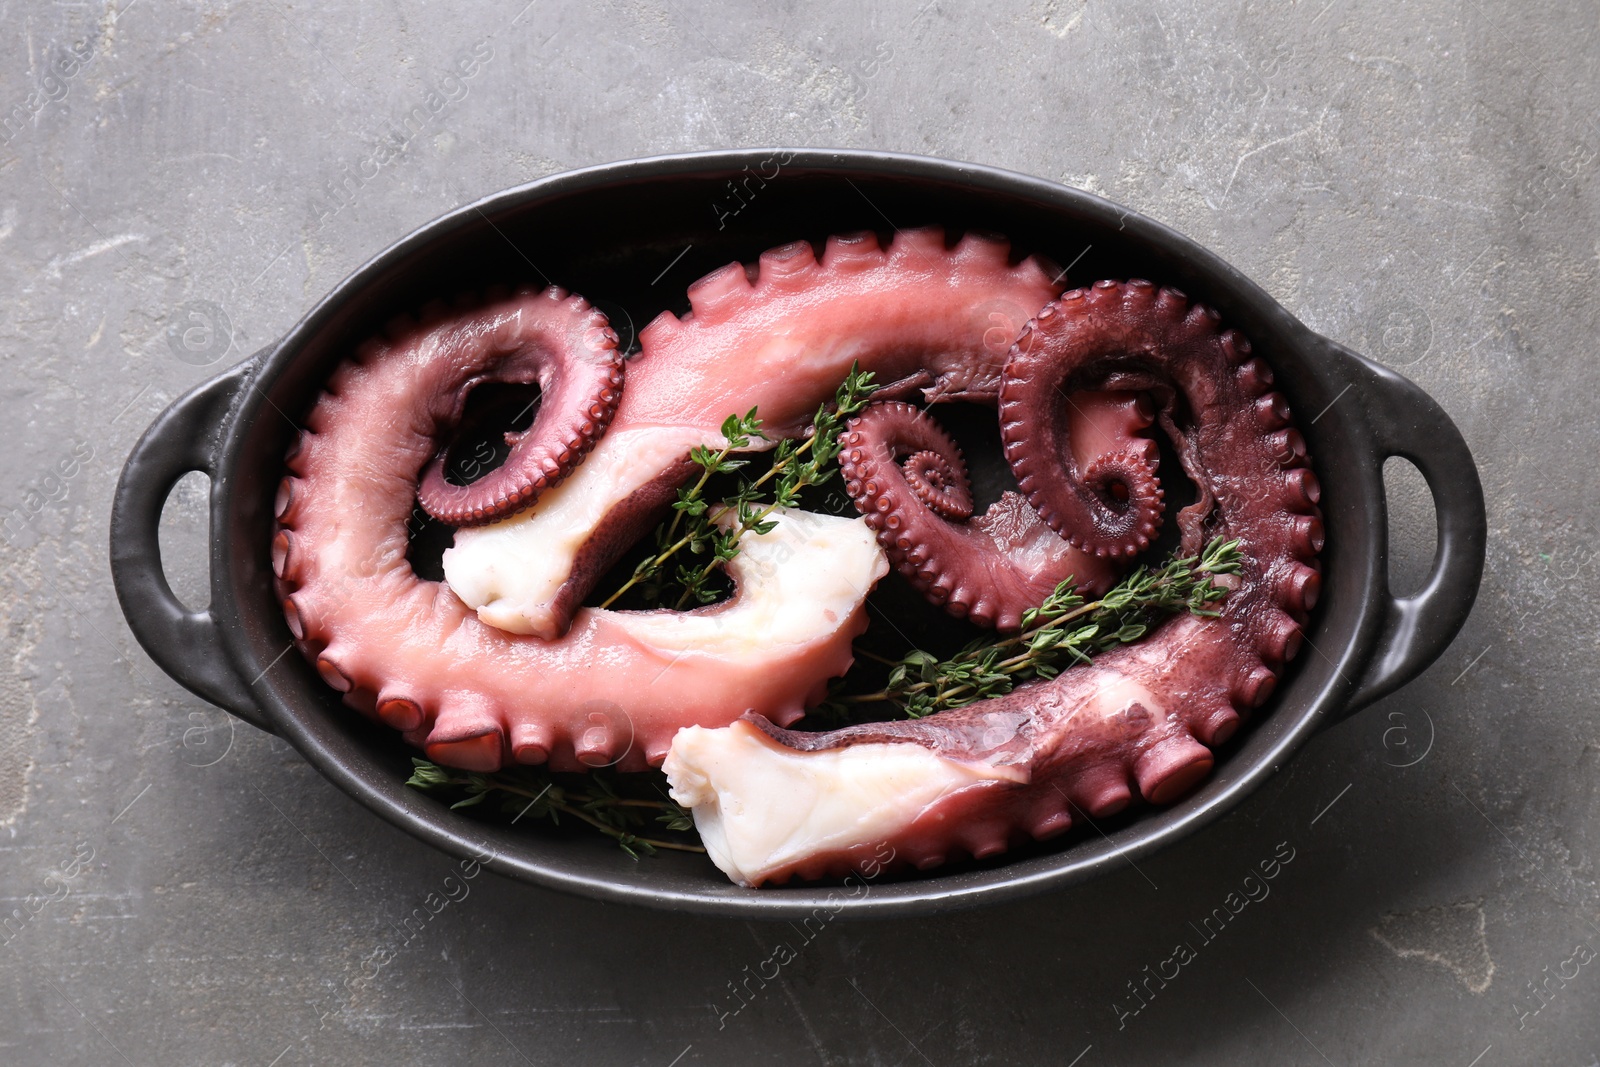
x=500, y=663
x=771, y=803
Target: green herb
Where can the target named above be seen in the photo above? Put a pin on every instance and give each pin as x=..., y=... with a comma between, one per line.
x=595, y=800
x=797, y=464
x=1060, y=632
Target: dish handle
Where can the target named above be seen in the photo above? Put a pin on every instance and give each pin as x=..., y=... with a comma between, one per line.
x=186, y=644
x=1416, y=629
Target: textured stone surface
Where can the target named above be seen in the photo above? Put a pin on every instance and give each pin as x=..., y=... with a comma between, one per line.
x=1414, y=180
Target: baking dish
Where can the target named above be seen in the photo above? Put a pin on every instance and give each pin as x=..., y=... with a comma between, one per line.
x=631, y=236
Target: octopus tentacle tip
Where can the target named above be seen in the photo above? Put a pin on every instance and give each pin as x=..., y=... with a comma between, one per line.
x=908, y=479
x=939, y=484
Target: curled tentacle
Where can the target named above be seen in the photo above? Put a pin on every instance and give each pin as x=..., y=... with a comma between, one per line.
x=574, y=359
x=617, y=686
x=992, y=567
x=1112, y=507
x=1127, y=483
x=959, y=565
x=940, y=483
x=1139, y=721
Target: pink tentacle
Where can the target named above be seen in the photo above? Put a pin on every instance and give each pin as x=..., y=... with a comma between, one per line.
x=575, y=361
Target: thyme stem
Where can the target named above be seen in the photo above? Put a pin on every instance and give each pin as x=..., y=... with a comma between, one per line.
x=796, y=465
x=921, y=684
x=738, y=433
x=624, y=838
x=597, y=804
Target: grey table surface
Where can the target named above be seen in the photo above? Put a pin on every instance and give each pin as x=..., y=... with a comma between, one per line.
x=1416, y=181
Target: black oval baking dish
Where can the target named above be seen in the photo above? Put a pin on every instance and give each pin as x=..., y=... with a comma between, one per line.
x=630, y=236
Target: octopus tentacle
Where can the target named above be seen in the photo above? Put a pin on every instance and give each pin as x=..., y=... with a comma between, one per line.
x=1000, y=563
x=613, y=691
x=574, y=359
x=1128, y=481
x=1141, y=720
x=939, y=484
x=908, y=480
x=1112, y=508
x=778, y=337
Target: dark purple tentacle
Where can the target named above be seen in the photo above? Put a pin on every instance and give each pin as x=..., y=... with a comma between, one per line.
x=908, y=480
x=1111, y=507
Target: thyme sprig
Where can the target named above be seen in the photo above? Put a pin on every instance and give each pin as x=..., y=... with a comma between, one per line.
x=596, y=802
x=797, y=464
x=738, y=432
x=1060, y=632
